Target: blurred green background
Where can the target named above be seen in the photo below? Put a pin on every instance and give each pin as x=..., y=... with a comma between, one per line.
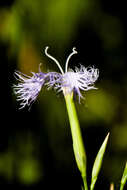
x=36, y=146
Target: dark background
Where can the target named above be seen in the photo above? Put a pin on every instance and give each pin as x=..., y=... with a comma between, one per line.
x=36, y=146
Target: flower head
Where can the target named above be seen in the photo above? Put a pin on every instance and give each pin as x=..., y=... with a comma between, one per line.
x=73, y=81
x=70, y=81
x=80, y=79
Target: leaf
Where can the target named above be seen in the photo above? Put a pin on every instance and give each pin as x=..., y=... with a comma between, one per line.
x=124, y=177
x=98, y=163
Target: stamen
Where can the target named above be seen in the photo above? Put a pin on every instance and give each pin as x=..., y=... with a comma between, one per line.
x=51, y=57
x=73, y=52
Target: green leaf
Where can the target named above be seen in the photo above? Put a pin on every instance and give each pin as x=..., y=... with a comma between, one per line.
x=124, y=177
x=98, y=163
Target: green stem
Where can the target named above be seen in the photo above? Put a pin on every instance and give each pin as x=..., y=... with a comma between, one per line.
x=121, y=187
x=78, y=146
x=85, y=183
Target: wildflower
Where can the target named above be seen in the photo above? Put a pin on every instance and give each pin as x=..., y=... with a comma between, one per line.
x=70, y=81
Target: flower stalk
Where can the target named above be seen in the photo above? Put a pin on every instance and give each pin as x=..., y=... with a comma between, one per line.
x=78, y=146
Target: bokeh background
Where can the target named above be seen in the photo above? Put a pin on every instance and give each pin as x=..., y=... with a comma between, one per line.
x=36, y=145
